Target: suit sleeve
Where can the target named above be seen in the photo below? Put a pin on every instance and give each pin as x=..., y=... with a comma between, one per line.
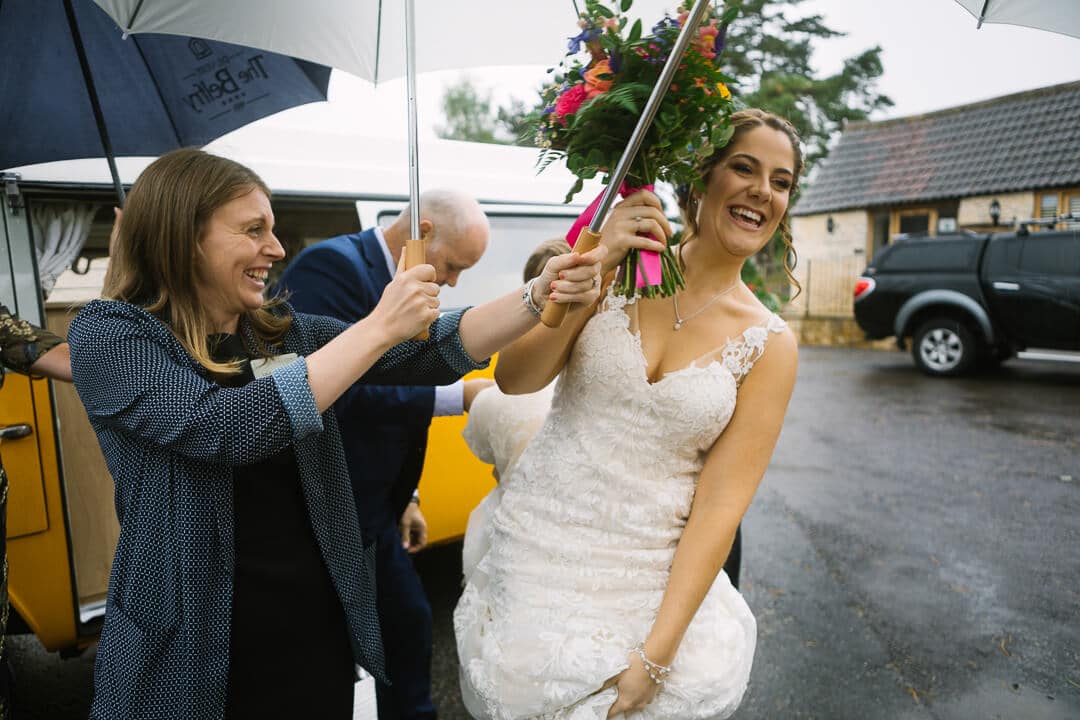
x=323, y=281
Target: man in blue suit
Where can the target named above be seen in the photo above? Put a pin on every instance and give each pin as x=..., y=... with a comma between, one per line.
x=384, y=429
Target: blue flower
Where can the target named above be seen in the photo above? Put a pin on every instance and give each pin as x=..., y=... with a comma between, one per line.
x=574, y=45
x=721, y=40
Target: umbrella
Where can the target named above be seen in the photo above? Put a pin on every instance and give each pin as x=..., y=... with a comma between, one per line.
x=377, y=40
x=1060, y=16
x=368, y=38
x=74, y=87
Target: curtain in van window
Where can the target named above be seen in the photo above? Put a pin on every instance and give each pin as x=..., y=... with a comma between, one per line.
x=60, y=231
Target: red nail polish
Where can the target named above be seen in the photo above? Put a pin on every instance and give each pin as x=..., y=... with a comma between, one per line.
x=552, y=286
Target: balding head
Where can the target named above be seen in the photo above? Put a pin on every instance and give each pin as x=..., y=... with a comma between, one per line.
x=454, y=227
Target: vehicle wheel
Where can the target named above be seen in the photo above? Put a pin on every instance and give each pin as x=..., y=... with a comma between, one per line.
x=944, y=347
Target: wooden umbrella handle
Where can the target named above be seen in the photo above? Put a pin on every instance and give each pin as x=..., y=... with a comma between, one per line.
x=555, y=313
x=416, y=254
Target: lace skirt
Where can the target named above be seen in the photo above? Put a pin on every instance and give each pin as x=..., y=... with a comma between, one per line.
x=539, y=641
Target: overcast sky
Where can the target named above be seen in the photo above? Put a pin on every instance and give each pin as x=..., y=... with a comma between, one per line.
x=933, y=58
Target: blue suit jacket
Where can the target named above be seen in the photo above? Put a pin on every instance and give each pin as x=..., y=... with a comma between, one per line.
x=384, y=428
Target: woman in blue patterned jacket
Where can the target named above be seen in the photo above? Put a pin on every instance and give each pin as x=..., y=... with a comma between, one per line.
x=241, y=586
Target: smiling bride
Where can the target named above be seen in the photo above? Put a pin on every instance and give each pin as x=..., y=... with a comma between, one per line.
x=600, y=588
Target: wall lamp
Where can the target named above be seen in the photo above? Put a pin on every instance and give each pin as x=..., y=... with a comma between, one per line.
x=830, y=225
x=995, y=211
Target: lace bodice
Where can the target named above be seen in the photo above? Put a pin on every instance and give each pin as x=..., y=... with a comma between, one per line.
x=576, y=544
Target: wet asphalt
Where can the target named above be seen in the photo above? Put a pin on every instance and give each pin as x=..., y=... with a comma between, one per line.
x=912, y=553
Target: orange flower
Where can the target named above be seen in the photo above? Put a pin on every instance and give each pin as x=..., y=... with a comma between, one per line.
x=598, y=79
x=724, y=92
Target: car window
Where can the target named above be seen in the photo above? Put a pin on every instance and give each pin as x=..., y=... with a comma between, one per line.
x=940, y=255
x=1051, y=254
x=513, y=238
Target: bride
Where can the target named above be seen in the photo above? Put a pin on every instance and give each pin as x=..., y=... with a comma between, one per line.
x=599, y=588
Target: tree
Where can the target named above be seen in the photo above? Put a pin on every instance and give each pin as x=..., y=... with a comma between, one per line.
x=769, y=57
x=468, y=114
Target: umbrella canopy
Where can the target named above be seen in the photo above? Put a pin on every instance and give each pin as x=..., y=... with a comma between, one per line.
x=154, y=92
x=366, y=37
x=1060, y=16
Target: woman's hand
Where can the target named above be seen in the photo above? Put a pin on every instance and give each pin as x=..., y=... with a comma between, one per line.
x=409, y=304
x=641, y=212
x=634, y=686
x=570, y=278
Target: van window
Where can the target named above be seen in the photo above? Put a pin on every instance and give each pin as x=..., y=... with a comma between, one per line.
x=513, y=238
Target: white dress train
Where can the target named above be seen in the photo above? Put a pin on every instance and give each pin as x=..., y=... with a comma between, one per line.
x=568, y=560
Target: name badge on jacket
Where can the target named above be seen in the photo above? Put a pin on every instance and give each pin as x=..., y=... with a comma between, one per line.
x=261, y=367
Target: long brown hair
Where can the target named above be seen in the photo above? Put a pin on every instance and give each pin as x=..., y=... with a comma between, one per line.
x=743, y=122
x=153, y=262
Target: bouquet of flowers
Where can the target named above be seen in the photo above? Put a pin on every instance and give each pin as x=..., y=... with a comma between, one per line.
x=588, y=112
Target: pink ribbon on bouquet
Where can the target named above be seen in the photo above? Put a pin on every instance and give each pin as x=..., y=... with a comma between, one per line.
x=649, y=261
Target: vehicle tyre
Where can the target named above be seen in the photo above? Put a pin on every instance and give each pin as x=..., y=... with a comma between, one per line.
x=944, y=347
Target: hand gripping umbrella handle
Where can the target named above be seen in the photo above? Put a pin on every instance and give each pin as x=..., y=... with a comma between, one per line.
x=555, y=313
x=415, y=254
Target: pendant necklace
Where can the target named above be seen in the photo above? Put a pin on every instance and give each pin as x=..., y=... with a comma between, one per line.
x=680, y=321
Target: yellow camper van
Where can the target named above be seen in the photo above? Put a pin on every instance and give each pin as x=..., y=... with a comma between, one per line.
x=62, y=525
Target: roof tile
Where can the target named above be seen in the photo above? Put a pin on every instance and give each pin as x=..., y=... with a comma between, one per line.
x=1019, y=142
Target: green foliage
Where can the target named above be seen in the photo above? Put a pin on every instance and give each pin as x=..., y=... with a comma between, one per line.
x=770, y=53
x=588, y=111
x=468, y=114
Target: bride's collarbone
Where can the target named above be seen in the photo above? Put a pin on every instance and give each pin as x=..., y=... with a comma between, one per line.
x=667, y=350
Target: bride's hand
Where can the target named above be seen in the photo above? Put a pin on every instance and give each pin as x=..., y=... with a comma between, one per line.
x=641, y=212
x=634, y=687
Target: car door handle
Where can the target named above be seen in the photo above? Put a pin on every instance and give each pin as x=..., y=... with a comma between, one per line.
x=14, y=432
x=1011, y=286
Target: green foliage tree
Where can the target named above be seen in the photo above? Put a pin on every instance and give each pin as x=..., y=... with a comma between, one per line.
x=769, y=54
x=467, y=114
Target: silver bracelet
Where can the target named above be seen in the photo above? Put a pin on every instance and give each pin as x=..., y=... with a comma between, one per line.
x=527, y=299
x=657, y=673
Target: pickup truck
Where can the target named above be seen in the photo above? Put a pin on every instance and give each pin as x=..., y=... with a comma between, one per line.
x=968, y=301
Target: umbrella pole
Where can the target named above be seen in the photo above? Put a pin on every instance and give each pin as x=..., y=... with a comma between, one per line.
x=415, y=252
x=99, y=117
x=590, y=237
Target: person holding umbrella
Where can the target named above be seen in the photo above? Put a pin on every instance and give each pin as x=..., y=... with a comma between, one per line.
x=241, y=584
x=600, y=590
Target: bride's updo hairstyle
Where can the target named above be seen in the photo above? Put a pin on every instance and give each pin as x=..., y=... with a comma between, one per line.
x=743, y=122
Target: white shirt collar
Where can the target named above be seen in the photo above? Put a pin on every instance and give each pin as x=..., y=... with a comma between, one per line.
x=386, y=251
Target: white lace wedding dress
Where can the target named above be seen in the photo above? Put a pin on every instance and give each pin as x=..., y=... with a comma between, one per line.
x=570, y=556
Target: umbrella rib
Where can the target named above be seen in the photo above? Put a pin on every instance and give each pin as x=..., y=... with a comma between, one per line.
x=378, y=43
x=95, y=103
x=157, y=89
x=134, y=14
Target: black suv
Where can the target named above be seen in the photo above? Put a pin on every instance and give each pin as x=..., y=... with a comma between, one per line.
x=970, y=300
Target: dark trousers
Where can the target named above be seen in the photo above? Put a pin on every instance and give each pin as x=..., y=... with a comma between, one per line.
x=405, y=621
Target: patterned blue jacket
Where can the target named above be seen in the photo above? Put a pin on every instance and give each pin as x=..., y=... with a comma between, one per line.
x=171, y=437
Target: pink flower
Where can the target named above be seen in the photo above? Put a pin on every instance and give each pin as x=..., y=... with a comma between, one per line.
x=706, y=42
x=569, y=103
x=598, y=79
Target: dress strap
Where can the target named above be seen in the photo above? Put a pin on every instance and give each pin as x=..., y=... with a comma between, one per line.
x=740, y=353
